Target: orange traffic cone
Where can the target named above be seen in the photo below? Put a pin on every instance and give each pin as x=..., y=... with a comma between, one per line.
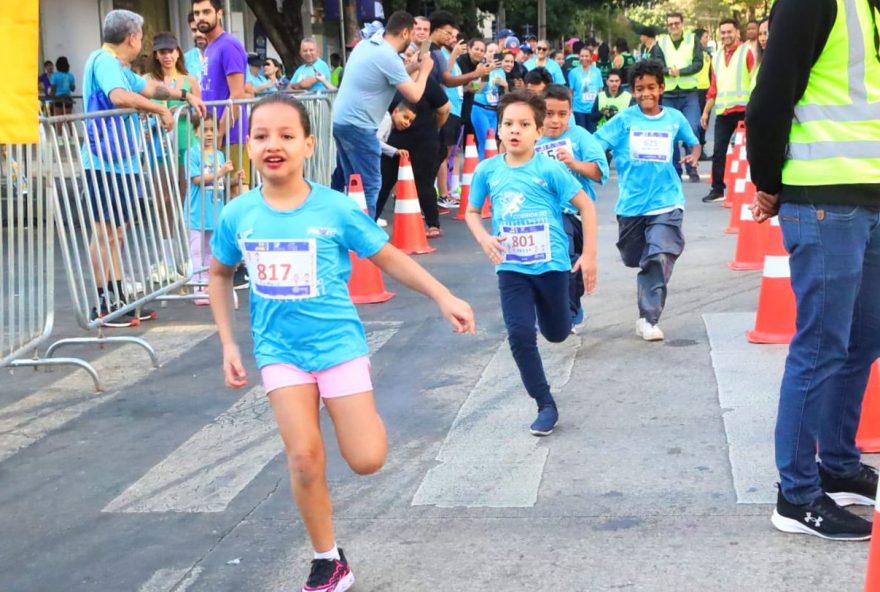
x=408, y=233
x=872, y=578
x=736, y=158
x=868, y=436
x=471, y=160
x=743, y=192
x=365, y=286
x=750, y=243
x=490, y=151
x=775, y=320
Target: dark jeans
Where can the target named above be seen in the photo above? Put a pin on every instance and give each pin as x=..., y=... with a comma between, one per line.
x=689, y=105
x=523, y=298
x=725, y=125
x=357, y=152
x=584, y=120
x=652, y=243
x=835, y=274
x=575, y=231
x=425, y=160
x=701, y=95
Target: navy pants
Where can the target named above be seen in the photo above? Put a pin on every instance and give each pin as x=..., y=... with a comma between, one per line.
x=524, y=299
x=575, y=231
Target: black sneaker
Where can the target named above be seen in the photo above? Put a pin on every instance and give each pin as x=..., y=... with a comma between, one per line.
x=713, y=196
x=694, y=177
x=859, y=489
x=822, y=518
x=330, y=575
x=130, y=319
x=241, y=280
x=547, y=418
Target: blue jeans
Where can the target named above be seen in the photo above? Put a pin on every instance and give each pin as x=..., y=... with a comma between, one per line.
x=584, y=120
x=835, y=274
x=483, y=120
x=358, y=152
x=523, y=298
x=689, y=105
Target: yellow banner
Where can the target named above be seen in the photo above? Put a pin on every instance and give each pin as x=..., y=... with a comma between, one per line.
x=19, y=69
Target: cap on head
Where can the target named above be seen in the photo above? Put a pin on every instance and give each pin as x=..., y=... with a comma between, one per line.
x=164, y=40
x=649, y=31
x=525, y=47
x=505, y=33
x=572, y=41
x=511, y=43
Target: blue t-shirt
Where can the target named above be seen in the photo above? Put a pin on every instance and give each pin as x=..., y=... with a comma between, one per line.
x=491, y=92
x=371, y=77
x=63, y=82
x=527, y=205
x=205, y=194
x=454, y=93
x=550, y=66
x=307, y=70
x=194, y=62
x=258, y=81
x=298, y=262
x=584, y=148
x=225, y=56
x=585, y=88
x=643, y=150
x=105, y=73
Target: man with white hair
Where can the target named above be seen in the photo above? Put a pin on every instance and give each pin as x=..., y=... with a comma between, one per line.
x=109, y=153
x=314, y=73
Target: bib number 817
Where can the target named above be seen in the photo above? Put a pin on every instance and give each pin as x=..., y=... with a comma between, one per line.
x=270, y=272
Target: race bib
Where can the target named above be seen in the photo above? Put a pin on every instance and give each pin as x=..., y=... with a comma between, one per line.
x=492, y=96
x=219, y=181
x=588, y=97
x=527, y=243
x=551, y=148
x=282, y=269
x=650, y=146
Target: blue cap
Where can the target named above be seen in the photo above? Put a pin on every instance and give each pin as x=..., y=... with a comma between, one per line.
x=505, y=33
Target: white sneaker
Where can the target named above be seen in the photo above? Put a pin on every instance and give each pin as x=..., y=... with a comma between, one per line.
x=647, y=331
x=381, y=222
x=160, y=273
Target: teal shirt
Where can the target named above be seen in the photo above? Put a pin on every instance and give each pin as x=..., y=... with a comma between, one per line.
x=584, y=148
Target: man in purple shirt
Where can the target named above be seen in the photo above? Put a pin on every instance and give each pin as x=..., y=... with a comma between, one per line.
x=223, y=78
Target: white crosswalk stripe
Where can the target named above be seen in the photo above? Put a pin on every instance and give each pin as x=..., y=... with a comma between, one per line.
x=171, y=580
x=33, y=417
x=210, y=469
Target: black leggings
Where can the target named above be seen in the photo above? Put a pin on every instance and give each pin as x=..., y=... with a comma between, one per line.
x=425, y=160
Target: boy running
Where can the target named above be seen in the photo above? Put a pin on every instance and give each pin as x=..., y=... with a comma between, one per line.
x=528, y=244
x=650, y=208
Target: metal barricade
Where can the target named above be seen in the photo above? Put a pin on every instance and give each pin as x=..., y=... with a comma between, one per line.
x=27, y=259
x=119, y=218
x=208, y=181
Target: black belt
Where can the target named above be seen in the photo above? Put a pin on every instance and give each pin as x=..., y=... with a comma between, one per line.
x=486, y=107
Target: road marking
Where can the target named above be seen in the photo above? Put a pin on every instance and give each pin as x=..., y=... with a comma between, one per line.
x=748, y=378
x=210, y=469
x=30, y=419
x=489, y=459
x=171, y=580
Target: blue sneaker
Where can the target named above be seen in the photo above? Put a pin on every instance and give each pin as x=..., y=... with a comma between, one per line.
x=546, y=421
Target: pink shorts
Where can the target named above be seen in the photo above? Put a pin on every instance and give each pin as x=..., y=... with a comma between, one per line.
x=348, y=378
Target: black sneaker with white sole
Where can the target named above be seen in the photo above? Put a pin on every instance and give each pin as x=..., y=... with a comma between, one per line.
x=860, y=489
x=822, y=518
x=241, y=280
x=130, y=319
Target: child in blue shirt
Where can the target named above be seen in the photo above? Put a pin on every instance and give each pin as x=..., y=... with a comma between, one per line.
x=528, y=244
x=651, y=204
x=576, y=148
x=295, y=236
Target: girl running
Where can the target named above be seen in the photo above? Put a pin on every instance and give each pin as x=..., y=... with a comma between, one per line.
x=295, y=237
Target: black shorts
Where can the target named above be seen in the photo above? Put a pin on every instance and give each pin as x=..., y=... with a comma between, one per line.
x=451, y=131
x=104, y=188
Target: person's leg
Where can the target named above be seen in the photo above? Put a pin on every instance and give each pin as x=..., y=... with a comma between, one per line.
x=480, y=120
x=631, y=243
x=518, y=309
x=690, y=108
x=725, y=125
x=827, y=247
x=424, y=161
x=552, y=305
x=701, y=95
x=582, y=119
x=389, y=167
x=664, y=243
x=196, y=251
x=296, y=413
x=674, y=102
x=360, y=432
x=575, y=231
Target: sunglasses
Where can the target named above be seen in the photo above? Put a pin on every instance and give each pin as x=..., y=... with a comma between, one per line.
x=543, y=48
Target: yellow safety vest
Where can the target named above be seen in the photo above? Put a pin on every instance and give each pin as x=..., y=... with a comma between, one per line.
x=835, y=133
x=680, y=57
x=732, y=81
x=704, y=79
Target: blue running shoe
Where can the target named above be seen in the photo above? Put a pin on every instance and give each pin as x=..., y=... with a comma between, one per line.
x=546, y=421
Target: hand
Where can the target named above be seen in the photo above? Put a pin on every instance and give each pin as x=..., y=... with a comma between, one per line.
x=459, y=49
x=673, y=72
x=587, y=266
x=227, y=168
x=765, y=206
x=483, y=69
x=493, y=248
x=459, y=314
x=197, y=104
x=500, y=81
x=426, y=62
x=167, y=120
x=704, y=121
x=565, y=157
x=233, y=370
x=690, y=159
x=401, y=153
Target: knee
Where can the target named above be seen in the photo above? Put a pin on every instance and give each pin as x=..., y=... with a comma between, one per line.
x=367, y=464
x=521, y=336
x=306, y=466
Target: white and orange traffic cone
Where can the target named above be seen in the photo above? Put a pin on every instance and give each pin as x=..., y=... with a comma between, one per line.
x=471, y=160
x=743, y=193
x=868, y=434
x=736, y=159
x=872, y=577
x=777, y=310
x=408, y=233
x=365, y=286
x=490, y=151
x=750, y=243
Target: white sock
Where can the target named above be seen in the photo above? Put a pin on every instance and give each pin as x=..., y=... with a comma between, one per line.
x=331, y=554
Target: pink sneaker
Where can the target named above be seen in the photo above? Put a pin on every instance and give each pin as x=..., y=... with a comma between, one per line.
x=330, y=575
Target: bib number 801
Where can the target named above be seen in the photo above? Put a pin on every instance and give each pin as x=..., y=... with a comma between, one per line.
x=524, y=240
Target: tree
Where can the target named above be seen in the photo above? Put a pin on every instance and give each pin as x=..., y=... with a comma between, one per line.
x=284, y=26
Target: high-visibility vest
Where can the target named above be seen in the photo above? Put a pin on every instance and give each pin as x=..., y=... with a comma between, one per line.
x=621, y=101
x=704, y=79
x=732, y=80
x=835, y=132
x=755, y=76
x=680, y=57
